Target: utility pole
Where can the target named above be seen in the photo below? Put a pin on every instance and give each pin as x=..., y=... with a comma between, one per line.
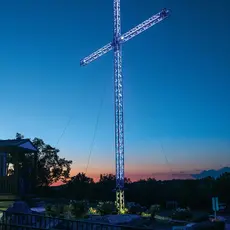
x=115, y=45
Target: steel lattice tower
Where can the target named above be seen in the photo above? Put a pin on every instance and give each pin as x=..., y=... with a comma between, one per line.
x=118, y=40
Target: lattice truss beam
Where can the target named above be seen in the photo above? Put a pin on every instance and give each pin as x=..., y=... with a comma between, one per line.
x=115, y=45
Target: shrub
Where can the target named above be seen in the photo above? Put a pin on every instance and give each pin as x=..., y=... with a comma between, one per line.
x=202, y=217
x=146, y=214
x=74, y=209
x=106, y=208
x=154, y=209
x=93, y=211
x=181, y=214
x=67, y=212
x=135, y=209
x=56, y=210
x=48, y=207
x=78, y=208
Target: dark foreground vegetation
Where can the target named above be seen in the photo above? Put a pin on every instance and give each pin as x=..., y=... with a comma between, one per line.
x=81, y=197
x=195, y=194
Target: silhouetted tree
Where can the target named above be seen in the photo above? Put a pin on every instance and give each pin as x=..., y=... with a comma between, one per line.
x=80, y=187
x=50, y=167
x=223, y=186
x=80, y=178
x=188, y=193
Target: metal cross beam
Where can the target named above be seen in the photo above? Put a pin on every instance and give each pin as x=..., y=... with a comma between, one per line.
x=115, y=45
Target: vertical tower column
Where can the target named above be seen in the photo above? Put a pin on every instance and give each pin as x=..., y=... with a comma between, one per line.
x=119, y=124
x=115, y=45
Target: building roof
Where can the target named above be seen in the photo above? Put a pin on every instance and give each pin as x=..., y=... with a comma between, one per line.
x=17, y=146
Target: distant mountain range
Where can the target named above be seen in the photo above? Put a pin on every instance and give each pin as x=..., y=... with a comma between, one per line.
x=212, y=173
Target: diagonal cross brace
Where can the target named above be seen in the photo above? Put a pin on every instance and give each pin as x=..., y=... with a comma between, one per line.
x=127, y=36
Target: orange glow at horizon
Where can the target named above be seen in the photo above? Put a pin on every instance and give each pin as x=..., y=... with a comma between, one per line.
x=145, y=160
x=135, y=176
x=143, y=171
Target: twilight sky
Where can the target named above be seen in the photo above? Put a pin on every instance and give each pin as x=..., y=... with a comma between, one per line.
x=176, y=82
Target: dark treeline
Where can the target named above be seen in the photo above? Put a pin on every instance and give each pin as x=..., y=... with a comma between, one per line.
x=188, y=193
x=52, y=168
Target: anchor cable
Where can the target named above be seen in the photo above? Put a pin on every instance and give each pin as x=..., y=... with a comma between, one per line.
x=95, y=129
x=64, y=130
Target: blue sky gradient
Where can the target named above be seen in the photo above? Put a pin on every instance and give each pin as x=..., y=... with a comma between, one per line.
x=176, y=82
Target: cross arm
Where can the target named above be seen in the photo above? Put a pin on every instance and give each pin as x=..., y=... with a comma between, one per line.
x=105, y=49
x=144, y=26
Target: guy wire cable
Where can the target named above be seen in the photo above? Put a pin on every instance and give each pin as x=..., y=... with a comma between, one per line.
x=163, y=152
x=162, y=149
x=64, y=130
x=96, y=128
